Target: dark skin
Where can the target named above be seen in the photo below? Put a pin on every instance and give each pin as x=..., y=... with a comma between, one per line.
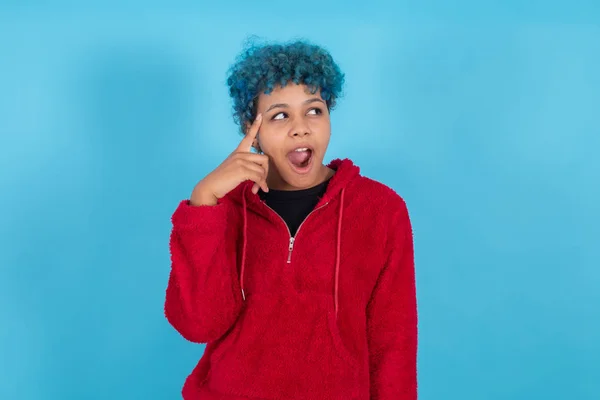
x=287, y=118
x=292, y=117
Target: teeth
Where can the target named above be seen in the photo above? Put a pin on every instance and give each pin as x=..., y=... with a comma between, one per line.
x=302, y=149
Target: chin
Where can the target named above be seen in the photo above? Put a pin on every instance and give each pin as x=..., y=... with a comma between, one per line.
x=300, y=178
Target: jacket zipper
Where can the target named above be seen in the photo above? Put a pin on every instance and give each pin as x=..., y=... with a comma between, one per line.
x=293, y=238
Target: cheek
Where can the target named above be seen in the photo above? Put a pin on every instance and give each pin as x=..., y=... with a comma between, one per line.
x=269, y=142
x=323, y=129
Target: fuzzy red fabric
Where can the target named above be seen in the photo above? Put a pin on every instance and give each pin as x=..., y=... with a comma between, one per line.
x=329, y=314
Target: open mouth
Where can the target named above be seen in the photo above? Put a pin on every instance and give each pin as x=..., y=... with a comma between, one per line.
x=301, y=158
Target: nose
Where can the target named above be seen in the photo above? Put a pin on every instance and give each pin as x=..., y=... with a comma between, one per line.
x=300, y=128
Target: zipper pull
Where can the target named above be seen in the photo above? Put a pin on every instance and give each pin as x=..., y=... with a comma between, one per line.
x=291, y=248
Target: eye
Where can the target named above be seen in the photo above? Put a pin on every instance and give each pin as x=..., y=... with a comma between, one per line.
x=317, y=111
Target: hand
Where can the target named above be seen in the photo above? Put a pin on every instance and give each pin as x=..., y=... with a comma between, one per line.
x=239, y=166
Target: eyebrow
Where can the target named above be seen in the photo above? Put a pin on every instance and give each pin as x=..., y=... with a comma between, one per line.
x=283, y=105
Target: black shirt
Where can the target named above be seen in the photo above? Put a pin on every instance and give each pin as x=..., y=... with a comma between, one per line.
x=294, y=205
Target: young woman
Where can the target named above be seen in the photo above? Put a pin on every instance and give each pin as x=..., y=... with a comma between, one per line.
x=298, y=275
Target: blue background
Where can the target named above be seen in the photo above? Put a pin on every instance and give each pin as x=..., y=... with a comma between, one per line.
x=484, y=116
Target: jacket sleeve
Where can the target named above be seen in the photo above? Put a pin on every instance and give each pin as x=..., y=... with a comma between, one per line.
x=203, y=296
x=392, y=318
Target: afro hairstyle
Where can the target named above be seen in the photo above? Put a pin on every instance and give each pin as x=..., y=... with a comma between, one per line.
x=261, y=67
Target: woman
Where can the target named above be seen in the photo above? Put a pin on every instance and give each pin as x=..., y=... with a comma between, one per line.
x=298, y=275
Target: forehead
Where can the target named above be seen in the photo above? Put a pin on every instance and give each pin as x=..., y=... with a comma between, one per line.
x=292, y=94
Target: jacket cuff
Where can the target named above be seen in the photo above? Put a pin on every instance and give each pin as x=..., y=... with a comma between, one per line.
x=187, y=216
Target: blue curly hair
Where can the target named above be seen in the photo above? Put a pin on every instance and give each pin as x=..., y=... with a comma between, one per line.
x=262, y=67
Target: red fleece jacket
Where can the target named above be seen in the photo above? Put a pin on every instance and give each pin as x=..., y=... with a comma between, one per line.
x=328, y=314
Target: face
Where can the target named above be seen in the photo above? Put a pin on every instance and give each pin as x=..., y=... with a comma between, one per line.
x=294, y=134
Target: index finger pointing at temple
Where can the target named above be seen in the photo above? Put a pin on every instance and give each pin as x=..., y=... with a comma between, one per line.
x=246, y=143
